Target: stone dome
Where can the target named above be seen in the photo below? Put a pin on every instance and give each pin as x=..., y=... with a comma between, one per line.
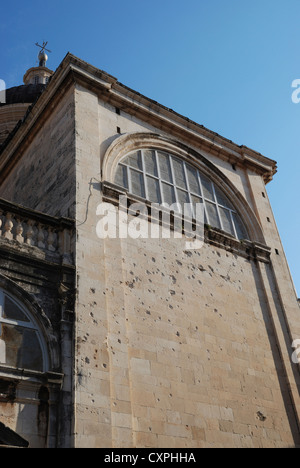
x=18, y=99
x=23, y=94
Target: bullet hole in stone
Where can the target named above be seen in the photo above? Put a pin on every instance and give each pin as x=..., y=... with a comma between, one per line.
x=178, y=263
x=177, y=333
x=104, y=365
x=172, y=292
x=260, y=416
x=148, y=312
x=153, y=260
x=93, y=290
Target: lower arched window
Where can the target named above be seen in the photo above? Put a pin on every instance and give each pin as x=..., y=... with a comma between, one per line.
x=164, y=178
x=21, y=342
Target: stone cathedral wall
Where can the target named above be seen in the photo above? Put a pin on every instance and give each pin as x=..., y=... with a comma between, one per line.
x=177, y=349
x=174, y=348
x=170, y=347
x=44, y=179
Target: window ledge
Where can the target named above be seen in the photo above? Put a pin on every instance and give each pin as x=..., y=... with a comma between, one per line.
x=33, y=377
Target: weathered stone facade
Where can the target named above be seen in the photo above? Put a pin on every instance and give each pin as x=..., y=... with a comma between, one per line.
x=37, y=269
x=150, y=344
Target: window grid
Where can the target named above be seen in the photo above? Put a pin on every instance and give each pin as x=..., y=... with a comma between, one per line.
x=188, y=191
x=28, y=325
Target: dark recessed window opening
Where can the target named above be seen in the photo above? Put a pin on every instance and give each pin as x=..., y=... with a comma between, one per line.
x=118, y=130
x=118, y=111
x=277, y=251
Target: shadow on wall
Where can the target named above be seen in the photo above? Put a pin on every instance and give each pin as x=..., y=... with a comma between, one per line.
x=33, y=421
x=286, y=397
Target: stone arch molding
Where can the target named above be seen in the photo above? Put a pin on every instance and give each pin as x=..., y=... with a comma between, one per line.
x=134, y=141
x=39, y=316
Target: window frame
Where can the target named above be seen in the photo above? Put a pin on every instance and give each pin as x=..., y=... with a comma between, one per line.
x=31, y=324
x=199, y=175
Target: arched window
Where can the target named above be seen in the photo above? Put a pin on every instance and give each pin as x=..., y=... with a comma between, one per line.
x=164, y=178
x=21, y=342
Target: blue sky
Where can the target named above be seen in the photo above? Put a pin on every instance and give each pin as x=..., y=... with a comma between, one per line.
x=227, y=64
